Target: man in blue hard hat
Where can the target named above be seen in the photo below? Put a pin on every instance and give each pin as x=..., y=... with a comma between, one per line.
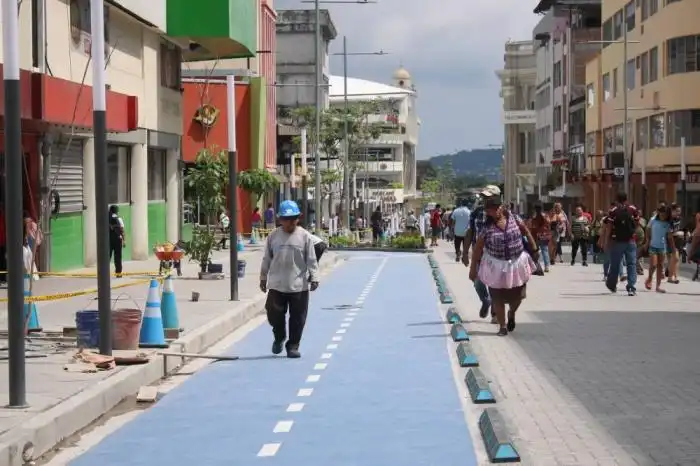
x=288, y=272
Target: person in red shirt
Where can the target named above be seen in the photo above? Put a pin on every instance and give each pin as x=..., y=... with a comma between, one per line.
x=435, y=224
x=255, y=220
x=587, y=214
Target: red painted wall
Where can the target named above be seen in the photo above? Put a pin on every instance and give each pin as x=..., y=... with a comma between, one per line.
x=196, y=137
x=268, y=64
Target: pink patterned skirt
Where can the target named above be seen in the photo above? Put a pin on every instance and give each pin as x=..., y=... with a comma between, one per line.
x=497, y=273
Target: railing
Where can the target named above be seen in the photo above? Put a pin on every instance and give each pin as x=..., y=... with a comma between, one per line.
x=380, y=167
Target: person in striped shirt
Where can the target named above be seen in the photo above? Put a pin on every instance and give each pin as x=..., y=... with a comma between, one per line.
x=579, y=230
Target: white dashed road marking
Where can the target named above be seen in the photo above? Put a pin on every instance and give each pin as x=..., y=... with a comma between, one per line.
x=337, y=338
x=313, y=378
x=305, y=392
x=283, y=427
x=295, y=407
x=341, y=331
x=326, y=355
x=269, y=449
x=320, y=366
x=332, y=346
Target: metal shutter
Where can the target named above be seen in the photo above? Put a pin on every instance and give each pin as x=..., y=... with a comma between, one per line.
x=67, y=173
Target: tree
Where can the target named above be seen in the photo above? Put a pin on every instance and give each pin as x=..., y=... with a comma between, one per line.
x=431, y=190
x=208, y=180
x=256, y=182
x=332, y=133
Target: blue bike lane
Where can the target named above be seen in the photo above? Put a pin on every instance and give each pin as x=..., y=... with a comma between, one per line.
x=373, y=387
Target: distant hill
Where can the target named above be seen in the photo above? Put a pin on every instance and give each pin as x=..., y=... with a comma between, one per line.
x=476, y=162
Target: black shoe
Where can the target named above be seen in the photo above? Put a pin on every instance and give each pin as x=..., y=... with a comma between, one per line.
x=484, y=311
x=631, y=291
x=584, y=263
x=277, y=347
x=502, y=332
x=573, y=262
x=613, y=289
x=510, y=326
x=293, y=353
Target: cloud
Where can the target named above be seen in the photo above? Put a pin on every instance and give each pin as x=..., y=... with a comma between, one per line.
x=450, y=47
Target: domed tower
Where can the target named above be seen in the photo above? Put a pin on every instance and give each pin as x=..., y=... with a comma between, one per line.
x=402, y=78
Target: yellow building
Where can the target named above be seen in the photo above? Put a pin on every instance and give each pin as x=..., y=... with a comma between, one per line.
x=663, y=100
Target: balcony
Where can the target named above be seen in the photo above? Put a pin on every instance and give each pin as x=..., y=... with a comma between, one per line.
x=224, y=29
x=519, y=117
x=387, y=140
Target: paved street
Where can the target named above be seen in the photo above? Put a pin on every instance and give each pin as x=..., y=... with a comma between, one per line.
x=375, y=386
x=592, y=378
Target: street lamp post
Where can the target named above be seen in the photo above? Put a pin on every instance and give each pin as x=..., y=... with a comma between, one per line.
x=346, y=140
x=319, y=104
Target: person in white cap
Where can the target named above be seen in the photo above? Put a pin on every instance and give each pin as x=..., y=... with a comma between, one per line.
x=477, y=221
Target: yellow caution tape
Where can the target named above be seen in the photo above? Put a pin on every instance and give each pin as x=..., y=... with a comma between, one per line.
x=94, y=275
x=73, y=294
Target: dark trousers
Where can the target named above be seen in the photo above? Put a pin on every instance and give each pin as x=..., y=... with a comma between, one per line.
x=115, y=250
x=3, y=264
x=459, y=240
x=277, y=305
x=582, y=244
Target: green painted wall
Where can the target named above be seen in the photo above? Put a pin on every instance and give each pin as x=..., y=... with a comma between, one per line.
x=125, y=214
x=67, y=242
x=258, y=117
x=156, y=224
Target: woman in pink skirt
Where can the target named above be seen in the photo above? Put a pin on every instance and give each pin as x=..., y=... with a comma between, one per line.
x=501, y=262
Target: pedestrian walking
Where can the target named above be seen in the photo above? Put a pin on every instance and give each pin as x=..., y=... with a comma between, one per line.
x=377, y=225
x=542, y=232
x=435, y=225
x=579, y=230
x=269, y=217
x=658, y=239
x=411, y=222
x=596, y=228
x=622, y=223
x=117, y=238
x=288, y=272
x=224, y=225
x=501, y=262
x=559, y=223
x=459, y=221
x=677, y=243
x=477, y=222
x=320, y=246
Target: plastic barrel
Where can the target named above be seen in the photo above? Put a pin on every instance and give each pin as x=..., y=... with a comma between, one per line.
x=241, y=268
x=87, y=324
x=126, y=328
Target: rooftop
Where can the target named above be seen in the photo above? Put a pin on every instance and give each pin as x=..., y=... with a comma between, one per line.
x=361, y=89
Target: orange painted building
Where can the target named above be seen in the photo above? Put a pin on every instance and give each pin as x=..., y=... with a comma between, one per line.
x=196, y=136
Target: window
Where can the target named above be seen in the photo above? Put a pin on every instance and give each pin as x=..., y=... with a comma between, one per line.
x=608, y=140
x=607, y=33
x=653, y=64
x=606, y=87
x=156, y=175
x=645, y=68
x=557, y=118
x=170, y=66
x=614, y=83
x=556, y=72
x=653, y=7
x=657, y=131
x=668, y=2
x=684, y=124
x=683, y=55
x=619, y=142
x=642, y=133
x=590, y=96
x=631, y=74
x=591, y=144
x=80, y=18
x=617, y=25
x=630, y=12
x=119, y=181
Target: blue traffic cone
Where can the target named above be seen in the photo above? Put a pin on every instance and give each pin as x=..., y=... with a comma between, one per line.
x=168, y=305
x=254, y=236
x=31, y=316
x=239, y=244
x=152, y=331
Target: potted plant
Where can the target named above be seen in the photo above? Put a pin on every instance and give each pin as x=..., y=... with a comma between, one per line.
x=208, y=180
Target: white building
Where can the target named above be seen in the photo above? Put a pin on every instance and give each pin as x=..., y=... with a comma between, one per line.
x=386, y=174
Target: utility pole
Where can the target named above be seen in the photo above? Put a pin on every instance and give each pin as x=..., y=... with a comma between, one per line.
x=346, y=142
x=13, y=206
x=232, y=184
x=317, y=131
x=99, y=118
x=684, y=184
x=625, y=139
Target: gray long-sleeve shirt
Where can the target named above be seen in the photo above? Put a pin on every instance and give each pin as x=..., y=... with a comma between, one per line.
x=289, y=263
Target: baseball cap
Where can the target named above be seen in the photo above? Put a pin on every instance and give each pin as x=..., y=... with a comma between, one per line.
x=491, y=190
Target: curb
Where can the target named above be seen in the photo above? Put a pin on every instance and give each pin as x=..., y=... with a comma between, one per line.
x=37, y=435
x=415, y=251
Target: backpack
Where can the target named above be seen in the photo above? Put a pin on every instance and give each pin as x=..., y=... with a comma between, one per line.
x=624, y=226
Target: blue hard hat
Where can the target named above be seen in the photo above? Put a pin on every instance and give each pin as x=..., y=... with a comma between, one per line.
x=289, y=209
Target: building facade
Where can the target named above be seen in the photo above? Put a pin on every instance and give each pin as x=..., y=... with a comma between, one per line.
x=661, y=70
x=144, y=50
x=386, y=166
x=518, y=83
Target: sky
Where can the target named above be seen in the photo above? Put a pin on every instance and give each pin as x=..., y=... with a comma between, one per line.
x=451, y=48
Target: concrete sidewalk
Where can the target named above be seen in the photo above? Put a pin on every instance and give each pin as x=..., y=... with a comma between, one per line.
x=62, y=402
x=588, y=377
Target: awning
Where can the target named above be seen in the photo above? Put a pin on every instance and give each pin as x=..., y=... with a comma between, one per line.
x=572, y=190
